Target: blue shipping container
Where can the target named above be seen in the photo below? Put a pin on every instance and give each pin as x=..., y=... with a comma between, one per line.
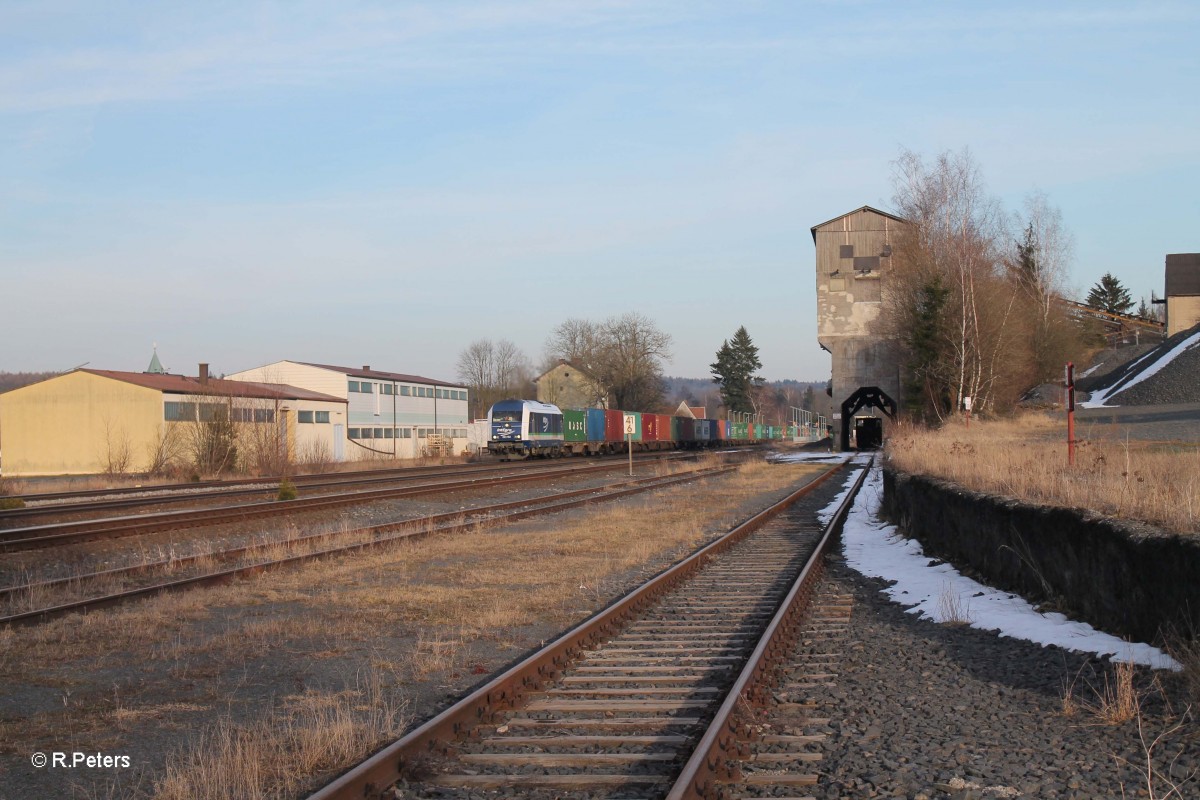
x=595, y=424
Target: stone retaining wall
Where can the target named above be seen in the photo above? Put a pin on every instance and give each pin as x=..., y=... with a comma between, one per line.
x=1124, y=578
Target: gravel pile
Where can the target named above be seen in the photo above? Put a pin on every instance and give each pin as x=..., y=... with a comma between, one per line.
x=923, y=711
x=1175, y=383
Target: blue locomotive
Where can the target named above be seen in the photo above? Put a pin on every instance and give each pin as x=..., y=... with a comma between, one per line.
x=523, y=428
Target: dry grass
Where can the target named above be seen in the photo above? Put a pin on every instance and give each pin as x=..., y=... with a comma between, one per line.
x=1114, y=702
x=443, y=600
x=953, y=609
x=277, y=755
x=1026, y=458
x=472, y=583
x=1117, y=702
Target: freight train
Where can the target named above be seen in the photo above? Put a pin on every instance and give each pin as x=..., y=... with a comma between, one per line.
x=524, y=428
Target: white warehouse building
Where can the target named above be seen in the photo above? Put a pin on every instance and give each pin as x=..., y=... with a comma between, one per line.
x=389, y=414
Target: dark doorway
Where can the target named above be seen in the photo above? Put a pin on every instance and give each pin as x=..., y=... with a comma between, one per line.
x=865, y=396
x=868, y=432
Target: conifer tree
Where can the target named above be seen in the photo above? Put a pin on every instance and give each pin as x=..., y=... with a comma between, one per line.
x=734, y=369
x=1109, y=295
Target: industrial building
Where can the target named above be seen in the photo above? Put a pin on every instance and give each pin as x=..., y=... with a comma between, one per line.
x=90, y=421
x=389, y=414
x=1182, y=292
x=853, y=261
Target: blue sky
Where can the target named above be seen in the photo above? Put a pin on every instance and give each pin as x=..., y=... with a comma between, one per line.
x=385, y=183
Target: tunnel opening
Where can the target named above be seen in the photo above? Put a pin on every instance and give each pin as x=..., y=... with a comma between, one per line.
x=868, y=430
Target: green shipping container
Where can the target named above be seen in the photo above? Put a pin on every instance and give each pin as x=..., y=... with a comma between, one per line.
x=574, y=425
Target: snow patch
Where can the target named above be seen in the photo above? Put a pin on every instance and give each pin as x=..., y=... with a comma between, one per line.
x=933, y=589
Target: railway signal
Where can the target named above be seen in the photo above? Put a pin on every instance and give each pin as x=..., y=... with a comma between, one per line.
x=630, y=429
x=1070, y=384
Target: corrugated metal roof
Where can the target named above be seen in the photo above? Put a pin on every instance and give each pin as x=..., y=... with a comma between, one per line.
x=184, y=384
x=1183, y=275
x=355, y=372
x=855, y=211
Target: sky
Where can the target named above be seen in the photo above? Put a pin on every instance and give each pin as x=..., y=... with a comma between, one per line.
x=935, y=590
x=386, y=183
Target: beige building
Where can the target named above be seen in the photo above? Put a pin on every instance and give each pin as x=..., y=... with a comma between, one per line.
x=388, y=414
x=567, y=385
x=1183, y=292
x=92, y=421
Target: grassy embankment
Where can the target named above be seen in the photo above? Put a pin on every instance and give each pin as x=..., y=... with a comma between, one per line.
x=1026, y=458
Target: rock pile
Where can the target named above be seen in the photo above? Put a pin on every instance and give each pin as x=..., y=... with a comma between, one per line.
x=1167, y=374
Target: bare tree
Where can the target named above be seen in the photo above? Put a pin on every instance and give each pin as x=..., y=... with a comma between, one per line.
x=576, y=340
x=973, y=306
x=1038, y=265
x=165, y=450
x=625, y=354
x=493, y=371
x=118, y=451
x=947, y=261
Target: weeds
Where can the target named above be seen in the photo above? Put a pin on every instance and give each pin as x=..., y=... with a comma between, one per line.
x=1118, y=702
x=952, y=608
x=1025, y=458
x=278, y=754
x=287, y=490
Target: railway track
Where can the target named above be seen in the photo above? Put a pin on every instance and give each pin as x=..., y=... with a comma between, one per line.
x=77, y=532
x=784, y=736
x=111, y=500
x=320, y=545
x=653, y=697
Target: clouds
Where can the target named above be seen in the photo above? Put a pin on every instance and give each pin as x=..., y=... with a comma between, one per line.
x=654, y=143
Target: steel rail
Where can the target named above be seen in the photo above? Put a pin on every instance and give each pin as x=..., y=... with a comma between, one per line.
x=403, y=530
x=505, y=691
x=66, y=533
x=260, y=486
x=716, y=755
x=38, y=497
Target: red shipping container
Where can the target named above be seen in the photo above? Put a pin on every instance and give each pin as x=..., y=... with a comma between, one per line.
x=649, y=427
x=664, y=427
x=614, y=425
x=721, y=430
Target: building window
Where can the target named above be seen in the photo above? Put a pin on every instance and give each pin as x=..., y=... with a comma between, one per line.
x=214, y=412
x=179, y=412
x=322, y=416
x=404, y=391
x=352, y=433
x=364, y=433
x=366, y=387
x=304, y=416
x=353, y=386
x=389, y=433
x=404, y=433
x=385, y=388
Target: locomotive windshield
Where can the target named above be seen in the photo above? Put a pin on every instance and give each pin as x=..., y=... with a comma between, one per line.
x=506, y=416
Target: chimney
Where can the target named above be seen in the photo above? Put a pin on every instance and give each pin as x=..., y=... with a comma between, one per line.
x=366, y=367
x=203, y=374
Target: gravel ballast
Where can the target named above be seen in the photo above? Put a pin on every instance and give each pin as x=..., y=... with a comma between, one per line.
x=925, y=710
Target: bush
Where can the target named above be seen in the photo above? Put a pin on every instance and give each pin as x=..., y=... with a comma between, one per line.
x=287, y=490
x=9, y=503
